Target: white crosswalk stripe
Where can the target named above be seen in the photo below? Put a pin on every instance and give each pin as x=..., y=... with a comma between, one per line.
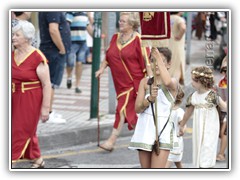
x=68, y=100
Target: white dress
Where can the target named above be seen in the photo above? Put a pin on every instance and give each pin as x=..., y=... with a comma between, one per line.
x=144, y=133
x=177, y=152
x=205, y=128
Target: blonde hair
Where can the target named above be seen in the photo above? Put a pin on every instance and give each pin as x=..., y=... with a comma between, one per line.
x=204, y=75
x=133, y=19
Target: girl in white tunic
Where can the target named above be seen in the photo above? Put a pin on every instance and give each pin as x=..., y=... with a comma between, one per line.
x=177, y=113
x=203, y=104
x=163, y=92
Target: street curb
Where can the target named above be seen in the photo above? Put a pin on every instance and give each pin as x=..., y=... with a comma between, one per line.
x=78, y=136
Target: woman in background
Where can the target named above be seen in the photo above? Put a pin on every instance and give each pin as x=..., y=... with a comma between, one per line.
x=125, y=58
x=177, y=46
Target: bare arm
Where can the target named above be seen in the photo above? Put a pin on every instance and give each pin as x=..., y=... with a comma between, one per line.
x=186, y=117
x=56, y=37
x=182, y=30
x=181, y=129
x=141, y=103
x=90, y=30
x=90, y=17
x=43, y=74
x=222, y=104
x=167, y=80
x=99, y=72
x=90, y=26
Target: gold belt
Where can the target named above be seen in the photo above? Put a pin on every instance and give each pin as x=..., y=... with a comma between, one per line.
x=24, y=86
x=206, y=106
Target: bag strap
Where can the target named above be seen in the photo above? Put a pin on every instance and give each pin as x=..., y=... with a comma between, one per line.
x=165, y=123
x=171, y=100
x=150, y=83
x=167, y=94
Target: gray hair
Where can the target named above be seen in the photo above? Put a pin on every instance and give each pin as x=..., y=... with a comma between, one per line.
x=133, y=19
x=27, y=28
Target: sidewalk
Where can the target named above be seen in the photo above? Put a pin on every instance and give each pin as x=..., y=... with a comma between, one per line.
x=75, y=108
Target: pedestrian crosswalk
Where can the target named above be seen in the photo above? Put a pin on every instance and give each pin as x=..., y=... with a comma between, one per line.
x=67, y=100
x=75, y=108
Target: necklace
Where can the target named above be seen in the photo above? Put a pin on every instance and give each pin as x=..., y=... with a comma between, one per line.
x=122, y=42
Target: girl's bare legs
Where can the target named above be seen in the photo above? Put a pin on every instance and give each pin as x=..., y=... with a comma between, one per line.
x=178, y=164
x=151, y=160
x=145, y=158
x=223, y=144
x=159, y=161
x=168, y=164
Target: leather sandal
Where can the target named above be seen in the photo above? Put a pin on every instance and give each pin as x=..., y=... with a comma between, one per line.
x=107, y=146
x=220, y=157
x=38, y=165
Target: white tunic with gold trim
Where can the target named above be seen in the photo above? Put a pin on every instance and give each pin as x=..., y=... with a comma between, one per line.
x=205, y=128
x=177, y=152
x=144, y=134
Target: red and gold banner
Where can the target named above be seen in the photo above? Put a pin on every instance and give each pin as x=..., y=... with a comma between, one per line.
x=155, y=26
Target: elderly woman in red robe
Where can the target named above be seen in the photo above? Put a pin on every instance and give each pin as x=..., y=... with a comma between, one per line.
x=31, y=90
x=129, y=63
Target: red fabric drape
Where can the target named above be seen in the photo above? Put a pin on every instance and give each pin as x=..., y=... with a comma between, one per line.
x=155, y=26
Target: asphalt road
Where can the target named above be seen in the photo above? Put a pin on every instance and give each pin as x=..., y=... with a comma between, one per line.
x=91, y=156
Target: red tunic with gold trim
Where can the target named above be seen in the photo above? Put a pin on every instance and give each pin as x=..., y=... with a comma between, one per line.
x=26, y=106
x=128, y=68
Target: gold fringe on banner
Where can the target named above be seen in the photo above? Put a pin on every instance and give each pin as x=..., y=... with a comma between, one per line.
x=155, y=28
x=155, y=43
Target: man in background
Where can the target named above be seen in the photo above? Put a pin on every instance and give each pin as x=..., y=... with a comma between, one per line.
x=55, y=44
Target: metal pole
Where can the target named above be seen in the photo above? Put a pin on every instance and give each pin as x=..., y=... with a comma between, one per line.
x=189, y=36
x=112, y=94
x=95, y=64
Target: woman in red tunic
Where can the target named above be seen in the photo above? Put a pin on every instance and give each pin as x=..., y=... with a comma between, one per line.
x=126, y=59
x=31, y=90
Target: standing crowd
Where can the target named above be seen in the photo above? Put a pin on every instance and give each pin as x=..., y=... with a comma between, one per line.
x=148, y=82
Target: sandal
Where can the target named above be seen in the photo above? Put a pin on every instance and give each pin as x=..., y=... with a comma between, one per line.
x=107, y=146
x=38, y=165
x=220, y=157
